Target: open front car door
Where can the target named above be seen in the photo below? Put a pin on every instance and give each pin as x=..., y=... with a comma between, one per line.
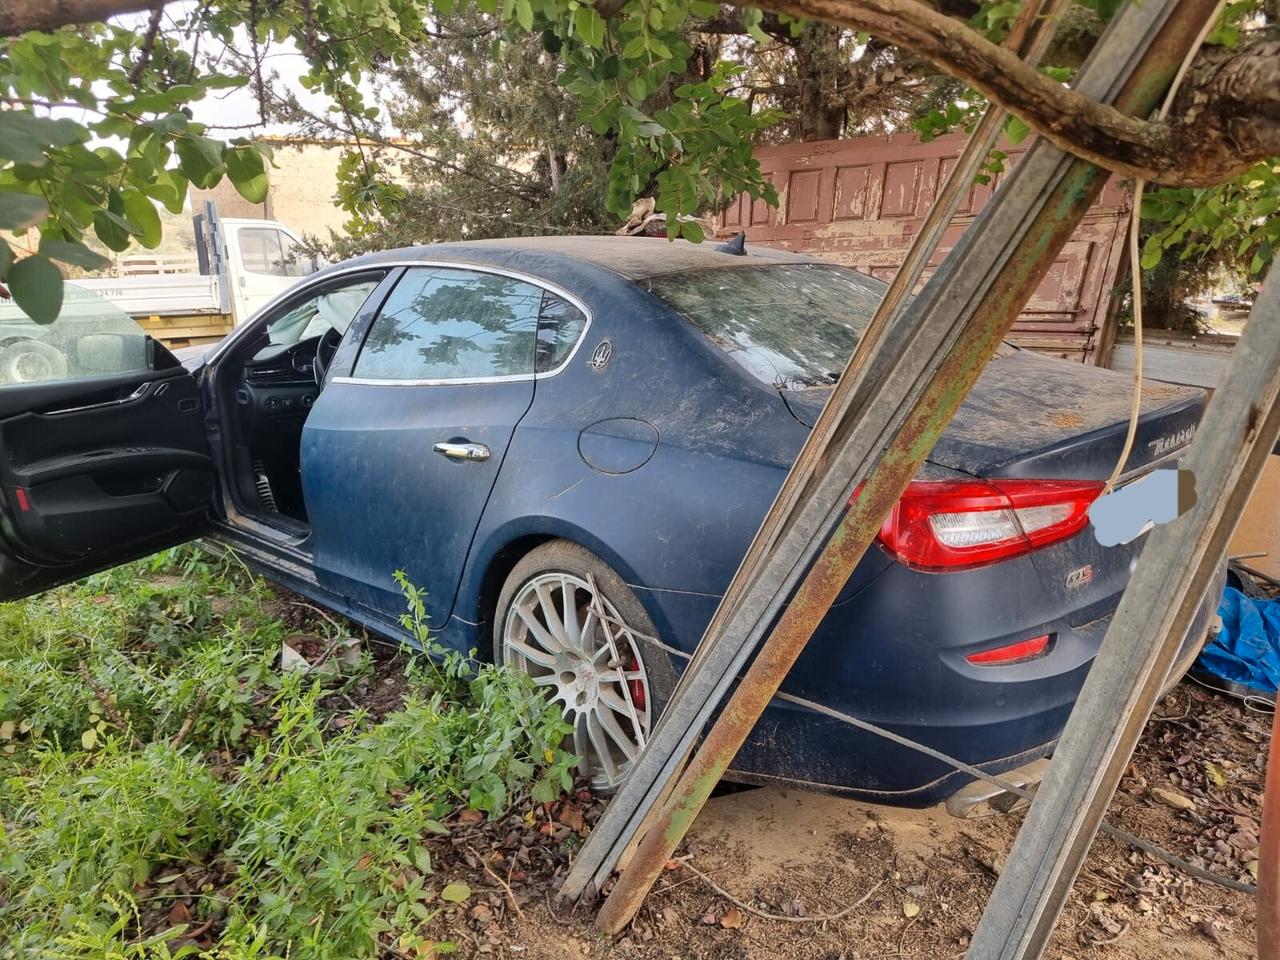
x=103, y=456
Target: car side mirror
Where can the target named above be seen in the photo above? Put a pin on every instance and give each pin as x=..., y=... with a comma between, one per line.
x=107, y=353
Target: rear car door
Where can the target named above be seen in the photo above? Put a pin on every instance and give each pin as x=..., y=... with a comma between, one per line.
x=103, y=455
x=401, y=451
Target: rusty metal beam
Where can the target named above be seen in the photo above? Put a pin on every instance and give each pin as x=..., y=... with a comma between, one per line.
x=1177, y=566
x=907, y=380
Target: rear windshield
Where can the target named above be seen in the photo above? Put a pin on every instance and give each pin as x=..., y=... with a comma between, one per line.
x=793, y=325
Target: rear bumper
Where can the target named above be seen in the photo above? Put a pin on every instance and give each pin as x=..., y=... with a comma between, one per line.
x=902, y=678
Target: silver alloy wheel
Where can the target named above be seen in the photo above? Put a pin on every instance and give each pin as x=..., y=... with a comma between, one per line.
x=31, y=361
x=569, y=638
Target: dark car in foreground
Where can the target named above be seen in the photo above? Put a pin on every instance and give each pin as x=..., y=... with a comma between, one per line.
x=569, y=443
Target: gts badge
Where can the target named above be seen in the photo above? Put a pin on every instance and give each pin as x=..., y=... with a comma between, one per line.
x=1078, y=578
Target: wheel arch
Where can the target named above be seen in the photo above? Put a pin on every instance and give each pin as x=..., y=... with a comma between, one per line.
x=493, y=561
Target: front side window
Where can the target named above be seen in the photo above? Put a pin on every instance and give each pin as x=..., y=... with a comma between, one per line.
x=90, y=338
x=793, y=326
x=446, y=323
x=334, y=309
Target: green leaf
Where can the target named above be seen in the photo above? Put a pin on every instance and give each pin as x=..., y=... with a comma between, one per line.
x=691, y=230
x=112, y=229
x=36, y=285
x=589, y=26
x=6, y=256
x=200, y=160
x=248, y=173
x=455, y=893
x=141, y=212
x=1152, y=252
x=1015, y=131
x=74, y=252
x=524, y=14
x=24, y=137
x=18, y=211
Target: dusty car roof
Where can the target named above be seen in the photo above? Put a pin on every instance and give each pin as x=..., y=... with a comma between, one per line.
x=632, y=257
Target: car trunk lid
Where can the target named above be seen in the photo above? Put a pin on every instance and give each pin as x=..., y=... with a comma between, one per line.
x=1034, y=416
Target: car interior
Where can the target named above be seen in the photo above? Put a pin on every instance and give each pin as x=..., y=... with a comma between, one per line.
x=268, y=386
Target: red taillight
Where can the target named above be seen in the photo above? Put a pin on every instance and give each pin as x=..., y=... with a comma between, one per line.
x=23, y=503
x=1013, y=653
x=951, y=524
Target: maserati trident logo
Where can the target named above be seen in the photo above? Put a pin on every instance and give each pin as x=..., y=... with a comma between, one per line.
x=600, y=356
x=1162, y=445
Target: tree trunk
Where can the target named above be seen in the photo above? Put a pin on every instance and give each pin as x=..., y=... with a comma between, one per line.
x=820, y=110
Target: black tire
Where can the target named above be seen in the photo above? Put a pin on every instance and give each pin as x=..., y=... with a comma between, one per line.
x=565, y=557
x=31, y=361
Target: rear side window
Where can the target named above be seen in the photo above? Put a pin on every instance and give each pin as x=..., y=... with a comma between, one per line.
x=559, y=327
x=792, y=325
x=445, y=323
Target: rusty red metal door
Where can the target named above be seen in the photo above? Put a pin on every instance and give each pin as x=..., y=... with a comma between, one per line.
x=859, y=202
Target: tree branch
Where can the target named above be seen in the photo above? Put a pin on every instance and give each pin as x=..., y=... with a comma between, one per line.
x=1133, y=147
x=19, y=16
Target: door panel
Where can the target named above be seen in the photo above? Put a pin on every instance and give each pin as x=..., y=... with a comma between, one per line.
x=101, y=467
x=399, y=458
x=381, y=499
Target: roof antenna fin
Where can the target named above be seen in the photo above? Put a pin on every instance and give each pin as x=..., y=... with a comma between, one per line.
x=736, y=247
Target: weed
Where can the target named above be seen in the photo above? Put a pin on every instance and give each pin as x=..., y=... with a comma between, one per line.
x=163, y=775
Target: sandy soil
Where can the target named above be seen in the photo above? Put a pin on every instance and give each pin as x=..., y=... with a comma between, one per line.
x=788, y=852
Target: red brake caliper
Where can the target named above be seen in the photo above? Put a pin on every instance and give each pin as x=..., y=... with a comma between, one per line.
x=636, y=686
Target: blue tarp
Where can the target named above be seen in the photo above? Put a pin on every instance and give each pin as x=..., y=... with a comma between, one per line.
x=1247, y=651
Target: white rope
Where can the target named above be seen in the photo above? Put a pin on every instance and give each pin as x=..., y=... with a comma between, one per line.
x=1135, y=255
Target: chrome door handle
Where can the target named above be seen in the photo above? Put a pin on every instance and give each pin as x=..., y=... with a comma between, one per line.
x=462, y=451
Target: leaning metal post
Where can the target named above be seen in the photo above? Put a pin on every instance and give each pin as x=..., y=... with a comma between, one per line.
x=1006, y=261
x=1177, y=566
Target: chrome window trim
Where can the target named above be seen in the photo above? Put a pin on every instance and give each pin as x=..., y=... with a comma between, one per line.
x=301, y=288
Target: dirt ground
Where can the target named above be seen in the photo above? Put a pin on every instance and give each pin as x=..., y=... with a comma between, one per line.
x=1194, y=787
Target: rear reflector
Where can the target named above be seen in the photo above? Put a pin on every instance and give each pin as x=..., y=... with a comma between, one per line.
x=1013, y=653
x=23, y=503
x=956, y=524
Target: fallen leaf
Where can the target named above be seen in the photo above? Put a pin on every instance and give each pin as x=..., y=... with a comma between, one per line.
x=471, y=816
x=709, y=919
x=364, y=861
x=1209, y=930
x=455, y=893
x=732, y=919
x=7, y=730
x=910, y=909
x=1252, y=867
x=571, y=817
x=1215, y=775
x=1171, y=799
x=671, y=865
x=179, y=913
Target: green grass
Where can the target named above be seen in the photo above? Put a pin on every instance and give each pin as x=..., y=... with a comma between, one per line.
x=152, y=754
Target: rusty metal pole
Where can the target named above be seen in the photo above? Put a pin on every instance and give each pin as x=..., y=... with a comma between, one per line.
x=1153, y=58
x=1269, y=854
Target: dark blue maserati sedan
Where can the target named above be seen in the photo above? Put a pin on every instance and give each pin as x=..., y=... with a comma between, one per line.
x=569, y=443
